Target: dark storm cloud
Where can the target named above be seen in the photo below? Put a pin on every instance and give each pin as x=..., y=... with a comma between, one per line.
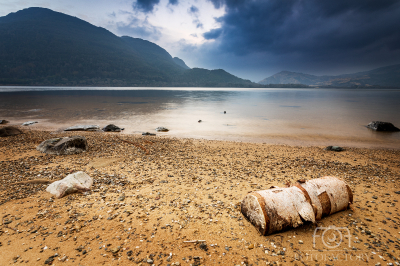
x=146, y=6
x=194, y=12
x=212, y=34
x=173, y=2
x=313, y=29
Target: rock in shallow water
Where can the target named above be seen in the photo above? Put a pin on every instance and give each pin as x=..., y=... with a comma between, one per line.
x=83, y=128
x=382, y=126
x=148, y=134
x=63, y=146
x=112, y=128
x=162, y=129
x=334, y=148
x=29, y=123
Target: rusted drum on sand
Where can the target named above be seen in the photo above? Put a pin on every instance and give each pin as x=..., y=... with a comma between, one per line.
x=280, y=208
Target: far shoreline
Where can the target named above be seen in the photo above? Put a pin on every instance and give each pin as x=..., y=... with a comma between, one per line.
x=317, y=140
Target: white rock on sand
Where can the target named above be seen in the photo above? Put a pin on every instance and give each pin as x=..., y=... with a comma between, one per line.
x=76, y=182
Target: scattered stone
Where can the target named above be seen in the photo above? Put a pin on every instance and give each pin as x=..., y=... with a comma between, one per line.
x=83, y=128
x=64, y=258
x=162, y=129
x=334, y=148
x=251, y=246
x=203, y=246
x=3, y=122
x=115, y=250
x=183, y=174
x=199, y=121
x=382, y=126
x=50, y=260
x=9, y=131
x=29, y=123
x=112, y=128
x=122, y=197
x=63, y=146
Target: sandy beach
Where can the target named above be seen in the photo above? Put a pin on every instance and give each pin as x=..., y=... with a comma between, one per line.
x=170, y=201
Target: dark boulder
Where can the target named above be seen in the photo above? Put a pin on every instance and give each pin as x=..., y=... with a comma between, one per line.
x=112, y=128
x=63, y=146
x=9, y=131
x=382, y=126
x=148, y=134
x=4, y=122
x=334, y=148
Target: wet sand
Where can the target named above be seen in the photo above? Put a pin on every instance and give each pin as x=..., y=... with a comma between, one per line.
x=146, y=204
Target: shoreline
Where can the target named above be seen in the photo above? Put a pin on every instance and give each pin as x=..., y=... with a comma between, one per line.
x=306, y=140
x=144, y=208
x=300, y=117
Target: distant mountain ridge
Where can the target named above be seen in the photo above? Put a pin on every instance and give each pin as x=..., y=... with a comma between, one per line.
x=39, y=46
x=180, y=62
x=388, y=76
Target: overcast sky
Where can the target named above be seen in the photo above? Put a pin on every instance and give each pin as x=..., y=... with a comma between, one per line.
x=252, y=39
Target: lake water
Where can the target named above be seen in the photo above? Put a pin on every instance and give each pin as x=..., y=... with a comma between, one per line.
x=277, y=116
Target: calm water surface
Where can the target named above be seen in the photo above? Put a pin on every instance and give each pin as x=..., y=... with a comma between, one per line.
x=285, y=116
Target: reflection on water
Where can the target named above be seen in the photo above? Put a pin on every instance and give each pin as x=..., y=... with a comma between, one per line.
x=292, y=116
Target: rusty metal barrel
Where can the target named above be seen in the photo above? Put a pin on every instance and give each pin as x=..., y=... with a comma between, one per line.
x=276, y=209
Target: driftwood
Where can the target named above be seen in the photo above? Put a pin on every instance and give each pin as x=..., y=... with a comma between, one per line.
x=280, y=208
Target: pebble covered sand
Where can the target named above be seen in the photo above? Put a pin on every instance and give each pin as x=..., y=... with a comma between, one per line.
x=167, y=201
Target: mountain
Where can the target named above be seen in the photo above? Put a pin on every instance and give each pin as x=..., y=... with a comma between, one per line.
x=211, y=78
x=388, y=76
x=180, y=62
x=39, y=46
